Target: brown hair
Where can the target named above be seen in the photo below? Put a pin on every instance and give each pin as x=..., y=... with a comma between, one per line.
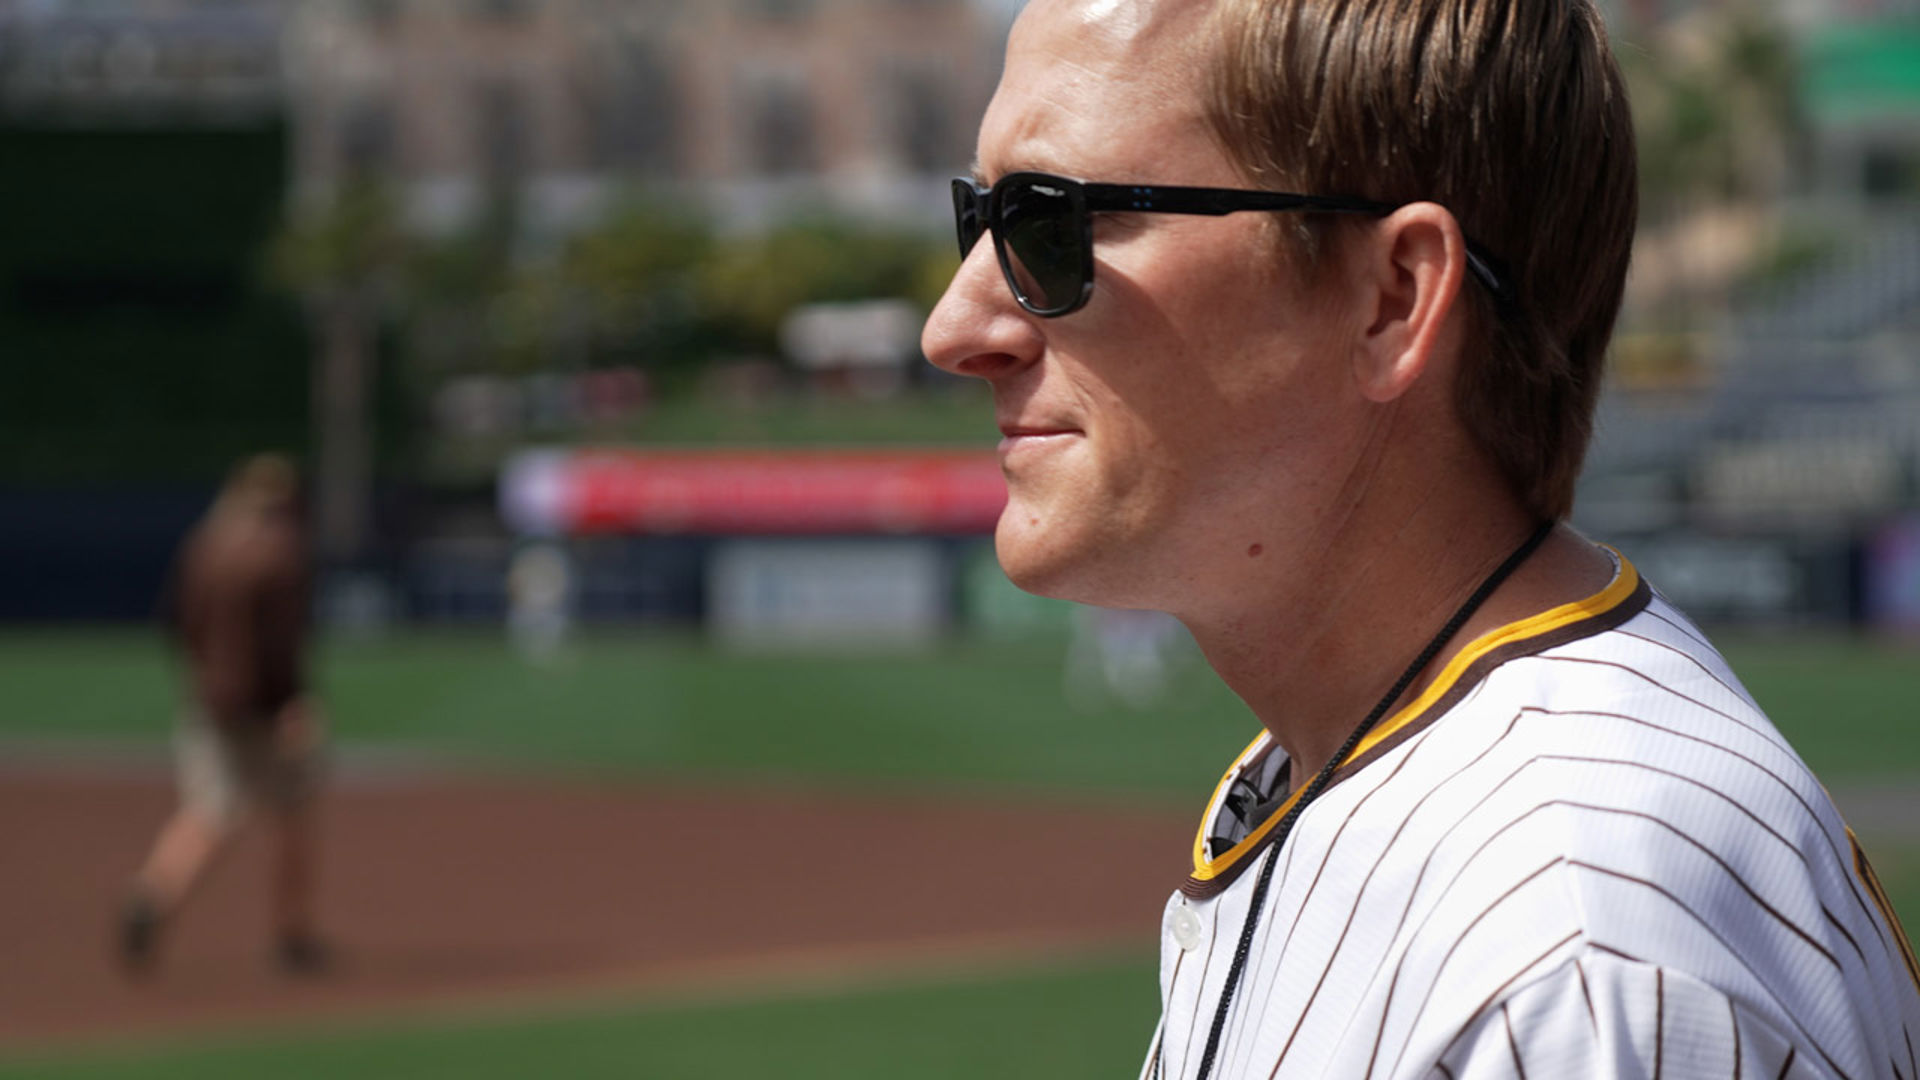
x=262, y=483
x=1510, y=113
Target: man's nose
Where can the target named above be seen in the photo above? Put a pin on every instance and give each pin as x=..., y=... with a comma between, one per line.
x=978, y=328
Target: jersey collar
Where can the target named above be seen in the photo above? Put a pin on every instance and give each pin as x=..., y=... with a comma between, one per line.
x=1623, y=598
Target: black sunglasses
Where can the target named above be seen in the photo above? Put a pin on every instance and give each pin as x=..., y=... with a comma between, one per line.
x=1042, y=228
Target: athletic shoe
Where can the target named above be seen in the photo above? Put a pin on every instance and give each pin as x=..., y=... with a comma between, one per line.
x=303, y=954
x=139, y=934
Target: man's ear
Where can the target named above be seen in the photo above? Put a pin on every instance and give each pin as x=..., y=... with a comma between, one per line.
x=1411, y=266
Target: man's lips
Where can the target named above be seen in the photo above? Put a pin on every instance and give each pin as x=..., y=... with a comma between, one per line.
x=1035, y=432
x=1020, y=436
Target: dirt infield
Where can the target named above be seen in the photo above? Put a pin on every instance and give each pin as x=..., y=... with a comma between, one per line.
x=441, y=887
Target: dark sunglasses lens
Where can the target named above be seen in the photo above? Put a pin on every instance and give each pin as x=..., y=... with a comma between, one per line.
x=966, y=215
x=1045, y=242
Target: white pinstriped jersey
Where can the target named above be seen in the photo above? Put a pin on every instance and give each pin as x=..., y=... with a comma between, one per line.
x=1582, y=852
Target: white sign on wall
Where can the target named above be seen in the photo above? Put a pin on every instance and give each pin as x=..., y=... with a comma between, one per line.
x=827, y=592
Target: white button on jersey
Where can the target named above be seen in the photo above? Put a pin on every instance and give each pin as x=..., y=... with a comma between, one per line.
x=1184, y=925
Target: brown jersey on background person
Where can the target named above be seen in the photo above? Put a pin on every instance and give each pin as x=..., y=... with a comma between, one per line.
x=242, y=592
x=248, y=733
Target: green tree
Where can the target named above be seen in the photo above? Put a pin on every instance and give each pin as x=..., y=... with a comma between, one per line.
x=625, y=289
x=451, y=289
x=753, y=282
x=344, y=259
x=1716, y=109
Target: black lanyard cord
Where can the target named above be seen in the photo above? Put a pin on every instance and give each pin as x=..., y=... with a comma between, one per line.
x=1321, y=778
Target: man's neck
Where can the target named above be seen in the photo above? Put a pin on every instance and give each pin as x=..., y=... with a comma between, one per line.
x=1313, y=656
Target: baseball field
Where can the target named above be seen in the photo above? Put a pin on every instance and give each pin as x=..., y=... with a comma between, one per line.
x=653, y=858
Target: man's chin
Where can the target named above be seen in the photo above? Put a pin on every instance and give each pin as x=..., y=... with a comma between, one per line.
x=1039, y=562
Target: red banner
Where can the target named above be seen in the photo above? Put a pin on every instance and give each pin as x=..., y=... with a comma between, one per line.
x=753, y=492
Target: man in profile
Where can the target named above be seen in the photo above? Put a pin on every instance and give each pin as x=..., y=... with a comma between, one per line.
x=1294, y=314
x=248, y=735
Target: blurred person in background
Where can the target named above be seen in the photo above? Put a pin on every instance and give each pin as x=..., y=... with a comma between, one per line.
x=249, y=733
x=1121, y=655
x=1509, y=813
x=539, y=601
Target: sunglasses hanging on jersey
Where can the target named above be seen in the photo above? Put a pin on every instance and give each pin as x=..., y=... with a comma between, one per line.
x=1042, y=228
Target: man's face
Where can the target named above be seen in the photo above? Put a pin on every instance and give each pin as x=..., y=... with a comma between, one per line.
x=1151, y=435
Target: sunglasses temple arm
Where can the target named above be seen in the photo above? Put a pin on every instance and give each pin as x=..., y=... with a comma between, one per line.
x=1178, y=200
x=1219, y=201
x=1481, y=266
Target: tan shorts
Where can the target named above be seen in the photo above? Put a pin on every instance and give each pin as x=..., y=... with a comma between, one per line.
x=223, y=773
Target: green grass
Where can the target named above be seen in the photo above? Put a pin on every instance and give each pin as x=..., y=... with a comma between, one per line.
x=1091, y=1020
x=1848, y=705
x=958, y=415
x=85, y=684
x=967, y=713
